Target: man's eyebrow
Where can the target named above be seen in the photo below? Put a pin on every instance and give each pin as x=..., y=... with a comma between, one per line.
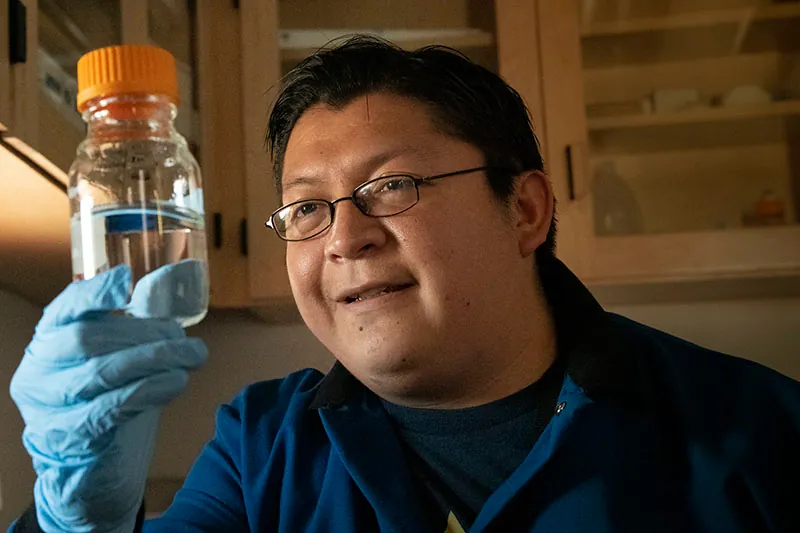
x=301, y=180
x=367, y=166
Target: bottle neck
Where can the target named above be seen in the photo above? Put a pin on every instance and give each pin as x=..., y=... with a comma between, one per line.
x=127, y=117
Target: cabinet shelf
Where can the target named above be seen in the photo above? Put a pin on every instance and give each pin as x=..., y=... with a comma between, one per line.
x=696, y=116
x=297, y=44
x=693, y=20
x=736, y=254
x=708, y=34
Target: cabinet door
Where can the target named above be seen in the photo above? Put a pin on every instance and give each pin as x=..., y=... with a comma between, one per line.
x=674, y=136
x=18, y=73
x=220, y=96
x=277, y=35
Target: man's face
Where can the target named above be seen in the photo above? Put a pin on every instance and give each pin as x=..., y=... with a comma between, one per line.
x=433, y=283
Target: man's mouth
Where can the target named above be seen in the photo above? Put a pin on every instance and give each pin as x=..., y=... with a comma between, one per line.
x=375, y=293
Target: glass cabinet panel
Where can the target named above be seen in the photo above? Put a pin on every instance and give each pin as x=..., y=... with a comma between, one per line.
x=170, y=25
x=693, y=111
x=67, y=30
x=466, y=25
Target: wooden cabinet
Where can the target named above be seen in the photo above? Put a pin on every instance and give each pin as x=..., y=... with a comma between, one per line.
x=222, y=151
x=670, y=128
x=673, y=137
x=37, y=102
x=38, y=91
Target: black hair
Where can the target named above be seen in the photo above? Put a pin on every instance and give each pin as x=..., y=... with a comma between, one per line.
x=466, y=100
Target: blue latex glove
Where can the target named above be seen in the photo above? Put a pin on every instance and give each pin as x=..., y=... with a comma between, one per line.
x=90, y=388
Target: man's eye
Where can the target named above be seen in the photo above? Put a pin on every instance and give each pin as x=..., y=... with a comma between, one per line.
x=305, y=210
x=395, y=184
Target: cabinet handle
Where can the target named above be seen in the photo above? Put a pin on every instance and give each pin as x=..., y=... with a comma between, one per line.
x=17, y=32
x=217, y=230
x=243, y=237
x=570, y=174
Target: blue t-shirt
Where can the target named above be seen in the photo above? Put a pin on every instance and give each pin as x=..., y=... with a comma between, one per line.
x=459, y=457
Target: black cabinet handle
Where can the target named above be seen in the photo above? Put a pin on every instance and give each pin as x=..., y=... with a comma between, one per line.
x=243, y=237
x=217, y=230
x=570, y=174
x=17, y=32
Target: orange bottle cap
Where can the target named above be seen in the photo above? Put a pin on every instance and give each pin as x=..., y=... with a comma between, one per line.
x=126, y=69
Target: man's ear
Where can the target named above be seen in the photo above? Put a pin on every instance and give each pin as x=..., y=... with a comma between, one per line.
x=533, y=210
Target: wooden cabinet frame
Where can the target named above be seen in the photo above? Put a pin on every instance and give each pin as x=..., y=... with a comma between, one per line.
x=696, y=256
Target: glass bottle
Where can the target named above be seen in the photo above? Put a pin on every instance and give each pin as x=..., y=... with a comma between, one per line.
x=136, y=192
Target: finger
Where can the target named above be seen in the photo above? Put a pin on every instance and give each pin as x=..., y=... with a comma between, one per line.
x=115, y=408
x=106, y=291
x=128, y=366
x=82, y=383
x=84, y=339
x=124, y=463
x=84, y=430
x=174, y=290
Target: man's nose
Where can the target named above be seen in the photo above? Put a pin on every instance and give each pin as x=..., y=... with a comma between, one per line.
x=353, y=234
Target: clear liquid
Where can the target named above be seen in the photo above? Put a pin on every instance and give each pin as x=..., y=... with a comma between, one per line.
x=144, y=239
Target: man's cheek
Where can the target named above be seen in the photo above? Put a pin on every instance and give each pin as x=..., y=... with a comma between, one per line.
x=300, y=263
x=304, y=279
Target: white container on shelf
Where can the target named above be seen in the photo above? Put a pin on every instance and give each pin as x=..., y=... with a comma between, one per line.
x=747, y=95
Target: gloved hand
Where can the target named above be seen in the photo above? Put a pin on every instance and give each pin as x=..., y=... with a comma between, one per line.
x=90, y=387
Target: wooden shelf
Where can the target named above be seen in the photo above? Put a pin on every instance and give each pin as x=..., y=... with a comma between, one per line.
x=695, y=116
x=784, y=285
x=735, y=254
x=689, y=36
x=298, y=44
x=693, y=20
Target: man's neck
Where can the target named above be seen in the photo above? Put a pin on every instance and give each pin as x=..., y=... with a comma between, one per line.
x=507, y=363
x=511, y=373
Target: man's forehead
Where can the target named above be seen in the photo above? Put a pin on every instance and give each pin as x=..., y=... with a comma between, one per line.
x=313, y=171
x=326, y=136
x=377, y=112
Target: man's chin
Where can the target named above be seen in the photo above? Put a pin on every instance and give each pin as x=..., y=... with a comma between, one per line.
x=390, y=375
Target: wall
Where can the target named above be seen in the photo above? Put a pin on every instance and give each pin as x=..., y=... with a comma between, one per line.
x=766, y=331
x=17, y=320
x=244, y=349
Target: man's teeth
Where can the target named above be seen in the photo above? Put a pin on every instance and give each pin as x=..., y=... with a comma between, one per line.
x=380, y=291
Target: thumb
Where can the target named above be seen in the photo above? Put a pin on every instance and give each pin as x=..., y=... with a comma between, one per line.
x=178, y=289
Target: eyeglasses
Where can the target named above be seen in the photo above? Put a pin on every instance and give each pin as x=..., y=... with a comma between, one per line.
x=381, y=197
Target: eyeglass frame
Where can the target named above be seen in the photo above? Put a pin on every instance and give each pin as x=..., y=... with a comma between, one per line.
x=418, y=180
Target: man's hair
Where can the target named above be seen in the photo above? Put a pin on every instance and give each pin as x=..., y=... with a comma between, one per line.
x=466, y=101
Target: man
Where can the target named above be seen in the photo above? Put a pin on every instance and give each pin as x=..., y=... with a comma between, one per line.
x=478, y=386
